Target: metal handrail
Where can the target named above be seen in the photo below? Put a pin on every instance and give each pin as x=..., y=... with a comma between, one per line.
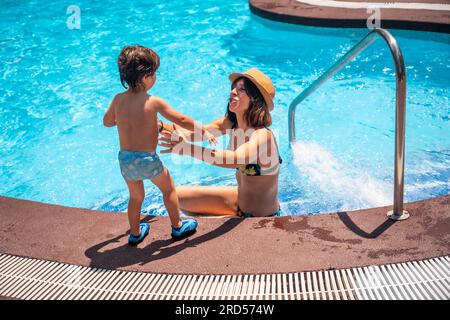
x=397, y=213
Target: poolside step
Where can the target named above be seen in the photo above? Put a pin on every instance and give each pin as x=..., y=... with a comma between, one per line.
x=29, y=279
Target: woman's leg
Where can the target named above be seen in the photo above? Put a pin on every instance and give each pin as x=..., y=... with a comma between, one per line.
x=208, y=200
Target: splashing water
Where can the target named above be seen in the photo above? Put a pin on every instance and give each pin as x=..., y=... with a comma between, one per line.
x=350, y=186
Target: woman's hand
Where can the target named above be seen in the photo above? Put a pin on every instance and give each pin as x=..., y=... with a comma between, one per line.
x=174, y=141
x=211, y=138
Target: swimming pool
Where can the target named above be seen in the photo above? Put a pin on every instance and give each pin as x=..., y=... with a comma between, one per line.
x=56, y=83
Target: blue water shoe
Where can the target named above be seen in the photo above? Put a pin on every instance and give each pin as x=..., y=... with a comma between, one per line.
x=188, y=227
x=135, y=240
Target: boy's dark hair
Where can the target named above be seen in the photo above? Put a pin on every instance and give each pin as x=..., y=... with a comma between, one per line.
x=134, y=63
x=257, y=114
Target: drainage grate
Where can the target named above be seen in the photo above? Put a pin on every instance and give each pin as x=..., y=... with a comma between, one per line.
x=25, y=278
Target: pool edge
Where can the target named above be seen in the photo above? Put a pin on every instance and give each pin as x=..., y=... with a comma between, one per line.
x=272, y=245
x=345, y=18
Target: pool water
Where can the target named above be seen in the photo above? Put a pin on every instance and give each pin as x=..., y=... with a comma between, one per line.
x=57, y=82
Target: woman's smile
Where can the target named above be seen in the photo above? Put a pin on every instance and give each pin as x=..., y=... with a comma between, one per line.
x=234, y=99
x=234, y=102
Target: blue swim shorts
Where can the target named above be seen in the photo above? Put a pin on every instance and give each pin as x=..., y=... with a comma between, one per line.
x=137, y=165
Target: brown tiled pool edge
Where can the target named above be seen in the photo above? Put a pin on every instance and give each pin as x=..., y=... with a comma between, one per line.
x=290, y=11
x=227, y=245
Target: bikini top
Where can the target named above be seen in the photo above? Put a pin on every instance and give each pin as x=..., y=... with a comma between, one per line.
x=254, y=169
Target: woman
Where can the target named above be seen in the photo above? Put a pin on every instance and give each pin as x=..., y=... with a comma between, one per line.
x=252, y=150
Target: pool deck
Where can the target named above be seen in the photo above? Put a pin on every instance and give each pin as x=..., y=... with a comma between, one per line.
x=226, y=245
x=425, y=15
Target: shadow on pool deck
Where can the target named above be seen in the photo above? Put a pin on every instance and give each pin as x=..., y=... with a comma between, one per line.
x=126, y=255
x=226, y=245
x=345, y=218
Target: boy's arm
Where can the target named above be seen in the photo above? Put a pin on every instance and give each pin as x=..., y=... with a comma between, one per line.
x=176, y=117
x=217, y=128
x=109, y=119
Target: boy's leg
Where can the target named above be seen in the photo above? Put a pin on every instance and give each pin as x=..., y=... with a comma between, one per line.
x=165, y=183
x=137, y=194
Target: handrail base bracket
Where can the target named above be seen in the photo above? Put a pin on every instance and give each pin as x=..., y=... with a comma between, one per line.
x=393, y=216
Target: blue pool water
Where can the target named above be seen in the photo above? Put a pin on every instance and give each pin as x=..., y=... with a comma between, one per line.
x=57, y=82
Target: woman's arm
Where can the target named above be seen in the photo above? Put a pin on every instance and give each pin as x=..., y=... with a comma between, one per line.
x=246, y=153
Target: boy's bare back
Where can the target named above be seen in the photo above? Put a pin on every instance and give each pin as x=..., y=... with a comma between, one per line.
x=137, y=121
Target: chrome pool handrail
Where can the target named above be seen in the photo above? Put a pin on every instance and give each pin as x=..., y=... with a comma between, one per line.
x=397, y=213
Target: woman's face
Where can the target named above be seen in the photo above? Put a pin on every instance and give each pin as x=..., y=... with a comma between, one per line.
x=239, y=100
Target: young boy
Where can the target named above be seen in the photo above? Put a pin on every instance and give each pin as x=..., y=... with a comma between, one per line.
x=135, y=114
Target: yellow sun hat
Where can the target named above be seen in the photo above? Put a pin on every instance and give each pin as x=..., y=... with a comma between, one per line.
x=261, y=81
